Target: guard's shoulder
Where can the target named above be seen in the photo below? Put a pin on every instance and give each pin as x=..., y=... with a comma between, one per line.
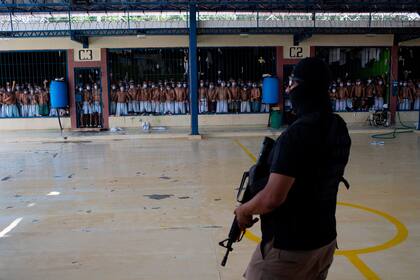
x=340, y=122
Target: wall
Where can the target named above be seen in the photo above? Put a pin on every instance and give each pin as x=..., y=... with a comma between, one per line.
x=349, y=40
x=18, y=44
x=203, y=41
x=411, y=43
x=355, y=120
x=33, y=123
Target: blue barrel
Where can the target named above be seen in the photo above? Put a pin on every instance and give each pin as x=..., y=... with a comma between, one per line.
x=270, y=90
x=58, y=94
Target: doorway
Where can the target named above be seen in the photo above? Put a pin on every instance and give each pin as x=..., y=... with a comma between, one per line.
x=88, y=96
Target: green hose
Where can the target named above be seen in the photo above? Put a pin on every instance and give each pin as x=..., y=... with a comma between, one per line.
x=397, y=130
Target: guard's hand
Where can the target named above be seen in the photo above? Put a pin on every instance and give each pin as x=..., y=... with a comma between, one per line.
x=244, y=220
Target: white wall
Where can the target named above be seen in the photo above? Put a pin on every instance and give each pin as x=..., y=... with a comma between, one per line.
x=33, y=123
x=358, y=119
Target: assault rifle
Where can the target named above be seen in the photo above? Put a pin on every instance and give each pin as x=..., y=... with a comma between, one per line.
x=252, y=182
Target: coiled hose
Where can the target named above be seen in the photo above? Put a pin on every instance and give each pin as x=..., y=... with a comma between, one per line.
x=397, y=130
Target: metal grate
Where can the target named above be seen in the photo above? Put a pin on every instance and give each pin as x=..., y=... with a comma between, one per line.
x=246, y=63
x=147, y=64
x=32, y=67
x=408, y=63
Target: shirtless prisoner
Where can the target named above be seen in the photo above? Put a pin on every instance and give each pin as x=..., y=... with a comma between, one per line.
x=341, y=100
x=179, y=99
x=417, y=97
x=97, y=106
x=369, y=95
x=132, y=96
x=350, y=95
x=223, y=95
x=255, y=98
x=170, y=99
x=122, y=98
x=404, y=97
x=212, y=96
x=359, y=95
x=245, y=106
x=44, y=100
x=379, y=95
x=235, y=97
x=203, y=98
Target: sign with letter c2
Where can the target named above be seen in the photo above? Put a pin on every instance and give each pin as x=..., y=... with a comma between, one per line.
x=296, y=52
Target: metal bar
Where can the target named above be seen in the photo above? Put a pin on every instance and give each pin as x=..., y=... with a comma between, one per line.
x=192, y=52
x=11, y=22
x=258, y=19
x=272, y=5
x=69, y=20
x=394, y=82
x=413, y=32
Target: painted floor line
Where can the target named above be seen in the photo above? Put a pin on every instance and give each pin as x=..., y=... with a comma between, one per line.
x=53, y=193
x=10, y=227
x=361, y=266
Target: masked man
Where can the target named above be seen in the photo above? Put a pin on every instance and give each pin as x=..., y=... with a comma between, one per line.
x=298, y=203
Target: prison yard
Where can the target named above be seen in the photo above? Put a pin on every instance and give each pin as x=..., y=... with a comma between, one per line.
x=156, y=209
x=126, y=127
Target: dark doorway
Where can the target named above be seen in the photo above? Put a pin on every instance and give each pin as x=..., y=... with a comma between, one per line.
x=88, y=96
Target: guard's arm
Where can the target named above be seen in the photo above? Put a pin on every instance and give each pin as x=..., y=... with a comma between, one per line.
x=271, y=197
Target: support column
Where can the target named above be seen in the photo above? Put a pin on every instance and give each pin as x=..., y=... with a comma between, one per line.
x=279, y=74
x=193, y=75
x=312, y=51
x=393, y=95
x=71, y=89
x=104, y=86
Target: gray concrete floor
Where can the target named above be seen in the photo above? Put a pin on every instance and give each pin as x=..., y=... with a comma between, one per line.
x=156, y=209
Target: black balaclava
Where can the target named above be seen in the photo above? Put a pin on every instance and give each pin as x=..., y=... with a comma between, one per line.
x=311, y=94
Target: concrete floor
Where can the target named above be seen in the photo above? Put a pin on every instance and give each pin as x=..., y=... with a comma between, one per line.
x=156, y=209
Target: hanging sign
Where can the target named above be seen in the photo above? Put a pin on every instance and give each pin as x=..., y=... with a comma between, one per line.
x=296, y=52
x=81, y=55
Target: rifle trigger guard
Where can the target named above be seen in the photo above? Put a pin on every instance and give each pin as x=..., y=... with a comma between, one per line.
x=222, y=243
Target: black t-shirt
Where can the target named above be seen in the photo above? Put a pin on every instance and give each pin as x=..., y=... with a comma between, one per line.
x=314, y=150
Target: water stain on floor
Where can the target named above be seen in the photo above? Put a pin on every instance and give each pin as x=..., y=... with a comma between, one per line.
x=158, y=196
x=6, y=178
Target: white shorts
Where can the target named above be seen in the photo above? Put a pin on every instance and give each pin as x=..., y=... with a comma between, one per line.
x=179, y=107
x=25, y=110
x=203, y=106
x=96, y=107
x=417, y=104
x=245, y=107
x=87, y=108
x=265, y=108
x=222, y=106
x=121, y=109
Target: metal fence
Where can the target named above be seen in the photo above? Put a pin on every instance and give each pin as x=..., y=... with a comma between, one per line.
x=32, y=67
x=246, y=63
x=148, y=64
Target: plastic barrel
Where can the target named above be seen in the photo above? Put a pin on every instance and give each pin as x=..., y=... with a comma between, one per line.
x=276, y=119
x=58, y=94
x=270, y=90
